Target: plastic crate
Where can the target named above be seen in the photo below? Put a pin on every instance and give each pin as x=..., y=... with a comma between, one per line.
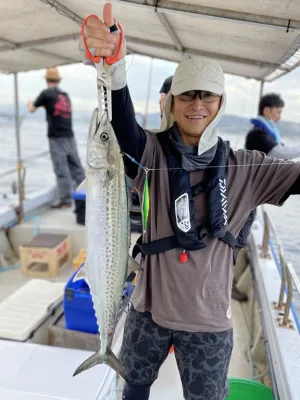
x=78, y=307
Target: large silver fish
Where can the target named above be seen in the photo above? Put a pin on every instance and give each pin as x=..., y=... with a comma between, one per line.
x=107, y=236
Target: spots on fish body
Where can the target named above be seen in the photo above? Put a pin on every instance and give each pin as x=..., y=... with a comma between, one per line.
x=108, y=219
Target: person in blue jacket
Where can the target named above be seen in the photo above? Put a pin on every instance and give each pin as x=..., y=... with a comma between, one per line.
x=265, y=136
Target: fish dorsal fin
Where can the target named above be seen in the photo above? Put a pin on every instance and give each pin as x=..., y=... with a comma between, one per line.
x=81, y=186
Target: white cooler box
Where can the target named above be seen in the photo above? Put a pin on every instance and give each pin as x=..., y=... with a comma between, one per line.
x=34, y=372
x=26, y=313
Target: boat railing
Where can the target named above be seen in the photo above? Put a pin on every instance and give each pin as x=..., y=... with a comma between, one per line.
x=18, y=186
x=288, y=273
x=26, y=160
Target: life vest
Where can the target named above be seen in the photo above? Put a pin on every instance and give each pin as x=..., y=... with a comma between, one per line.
x=187, y=235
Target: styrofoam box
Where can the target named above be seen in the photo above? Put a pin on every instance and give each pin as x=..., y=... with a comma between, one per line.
x=24, y=309
x=34, y=372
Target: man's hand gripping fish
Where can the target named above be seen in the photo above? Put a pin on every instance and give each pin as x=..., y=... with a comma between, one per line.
x=107, y=224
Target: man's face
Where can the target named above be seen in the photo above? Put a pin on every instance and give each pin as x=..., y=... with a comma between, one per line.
x=193, y=115
x=273, y=113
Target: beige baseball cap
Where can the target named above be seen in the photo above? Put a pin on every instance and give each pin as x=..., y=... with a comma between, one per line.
x=198, y=73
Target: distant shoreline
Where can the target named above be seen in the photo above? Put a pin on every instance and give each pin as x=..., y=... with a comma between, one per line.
x=228, y=123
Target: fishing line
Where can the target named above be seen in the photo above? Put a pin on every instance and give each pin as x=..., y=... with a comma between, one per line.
x=145, y=206
x=217, y=166
x=136, y=162
x=146, y=169
x=131, y=61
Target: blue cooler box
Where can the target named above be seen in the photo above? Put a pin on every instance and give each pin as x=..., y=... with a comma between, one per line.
x=78, y=307
x=79, y=198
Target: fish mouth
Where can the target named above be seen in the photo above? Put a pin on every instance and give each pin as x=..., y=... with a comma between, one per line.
x=96, y=163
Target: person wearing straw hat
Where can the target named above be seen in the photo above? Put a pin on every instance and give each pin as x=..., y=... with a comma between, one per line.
x=201, y=193
x=63, y=148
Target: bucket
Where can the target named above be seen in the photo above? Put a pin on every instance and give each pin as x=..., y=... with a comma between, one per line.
x=246, y=389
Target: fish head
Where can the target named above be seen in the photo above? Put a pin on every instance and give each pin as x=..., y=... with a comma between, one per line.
x=102, y=144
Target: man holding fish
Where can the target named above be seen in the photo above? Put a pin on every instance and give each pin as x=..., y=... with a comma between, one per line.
x=183, y=291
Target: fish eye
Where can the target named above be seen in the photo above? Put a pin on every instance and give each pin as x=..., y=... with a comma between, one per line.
x=104, y=136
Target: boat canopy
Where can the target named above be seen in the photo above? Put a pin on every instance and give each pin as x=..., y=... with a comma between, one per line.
x=259, y=39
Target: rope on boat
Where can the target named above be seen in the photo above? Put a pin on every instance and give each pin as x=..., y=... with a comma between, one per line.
x=4, y=267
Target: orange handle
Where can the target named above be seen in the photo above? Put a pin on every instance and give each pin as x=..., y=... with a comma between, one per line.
x=111, y=60
x=96, y=59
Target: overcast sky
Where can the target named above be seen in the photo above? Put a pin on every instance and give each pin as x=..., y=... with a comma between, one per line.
x=79, y=82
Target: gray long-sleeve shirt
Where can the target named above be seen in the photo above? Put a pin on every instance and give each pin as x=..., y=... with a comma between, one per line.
x=259, y=139
x=285, y=152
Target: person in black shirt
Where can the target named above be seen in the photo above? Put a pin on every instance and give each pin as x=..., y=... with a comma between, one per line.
x=166, y=87
x=63, y=149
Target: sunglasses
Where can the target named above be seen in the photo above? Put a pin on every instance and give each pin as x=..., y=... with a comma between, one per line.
x=204, y=95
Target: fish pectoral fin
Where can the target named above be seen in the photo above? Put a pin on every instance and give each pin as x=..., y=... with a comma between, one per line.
x=81, y=274
x=81, y=186
x=107, y=358
x=132, y=265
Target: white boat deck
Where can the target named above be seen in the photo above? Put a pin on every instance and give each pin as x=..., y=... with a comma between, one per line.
x=168, y=385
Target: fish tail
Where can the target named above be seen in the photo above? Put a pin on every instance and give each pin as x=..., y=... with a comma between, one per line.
x=114, y=363
x=107, y=358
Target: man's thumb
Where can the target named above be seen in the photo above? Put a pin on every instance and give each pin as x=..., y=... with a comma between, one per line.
x=108, y=15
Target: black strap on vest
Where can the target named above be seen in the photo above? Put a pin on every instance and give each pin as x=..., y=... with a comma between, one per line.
x=197, y=189
x=195, y=238
x=170, y=243
x=154, y=247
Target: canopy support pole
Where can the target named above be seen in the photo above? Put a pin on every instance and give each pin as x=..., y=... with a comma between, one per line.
x=261, y=89
x=148, y=93
x=19, y=208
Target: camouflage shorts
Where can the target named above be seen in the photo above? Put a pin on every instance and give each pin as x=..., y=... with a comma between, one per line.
x=202, y=358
